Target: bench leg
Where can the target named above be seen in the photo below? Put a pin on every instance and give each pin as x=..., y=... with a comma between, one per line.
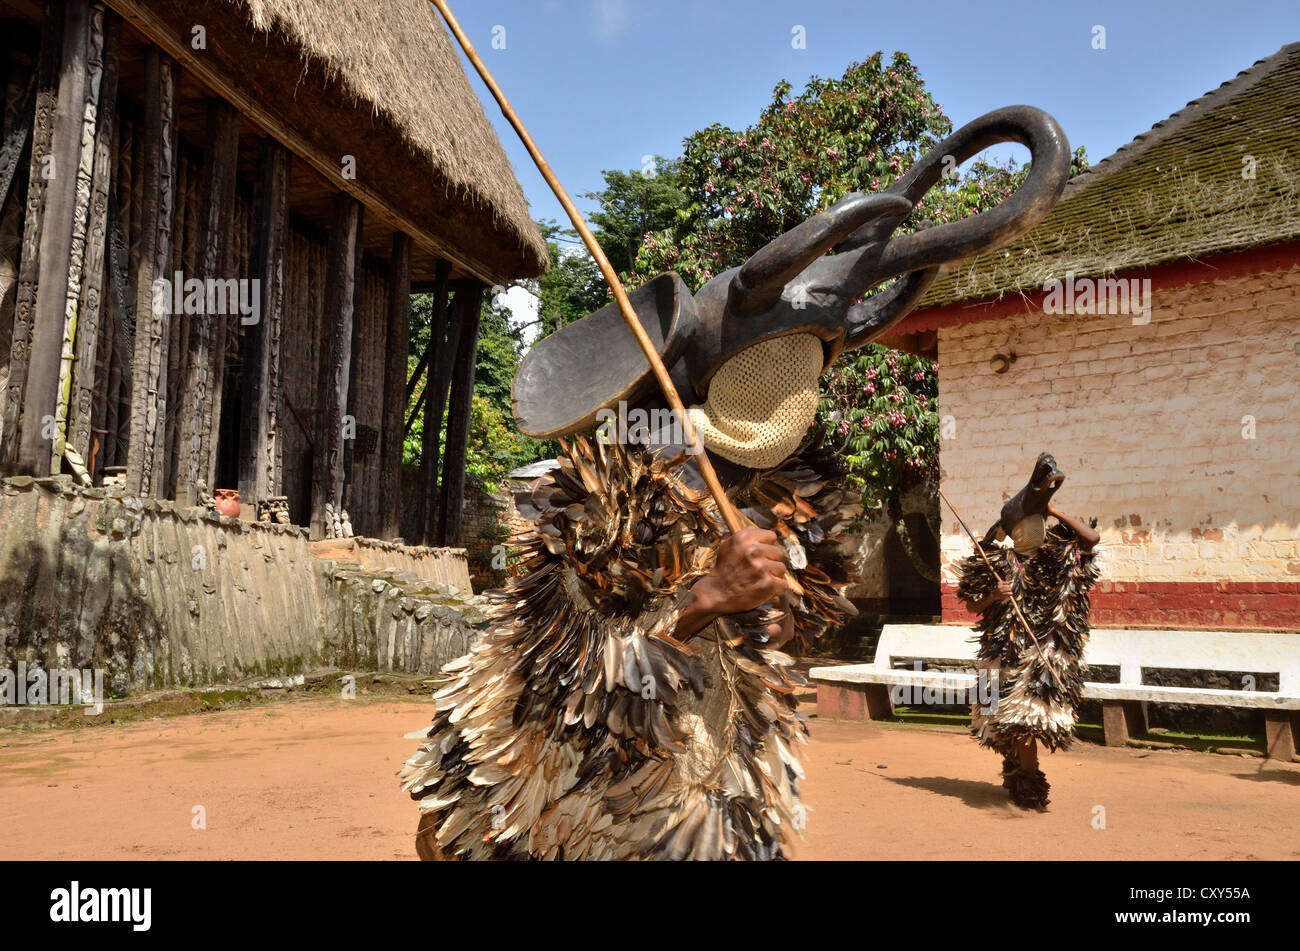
x=1122, y=719
x=879, y=704
x=837, y=701
x=1280, y=728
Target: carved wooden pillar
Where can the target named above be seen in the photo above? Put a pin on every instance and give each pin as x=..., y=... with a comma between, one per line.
x=90, y=390
x=45, y=98
x=261, y=400
x=146, y=450
x=451, y=487
x=19, y=93
x=121, y=316
x=396, y=344
x=354, y=367
x=59, y=170
x=335, y=367
x=201, y=399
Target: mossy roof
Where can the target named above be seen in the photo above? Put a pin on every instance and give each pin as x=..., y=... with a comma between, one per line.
x=1176, y=192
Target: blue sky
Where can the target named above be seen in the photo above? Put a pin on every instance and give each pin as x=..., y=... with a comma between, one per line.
x=601, y=83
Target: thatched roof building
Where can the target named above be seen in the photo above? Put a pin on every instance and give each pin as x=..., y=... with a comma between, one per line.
x=1221, y=174
x=213, y=291
x=1146, y=333
x=379, y=81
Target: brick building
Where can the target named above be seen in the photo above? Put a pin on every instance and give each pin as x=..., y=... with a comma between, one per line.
x=1174, y=407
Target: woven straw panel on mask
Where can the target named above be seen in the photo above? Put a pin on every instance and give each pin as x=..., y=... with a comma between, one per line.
x=762, y=401
x=1027, y=534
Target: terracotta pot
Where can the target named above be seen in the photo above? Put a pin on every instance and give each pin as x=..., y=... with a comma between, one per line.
x=227, y=501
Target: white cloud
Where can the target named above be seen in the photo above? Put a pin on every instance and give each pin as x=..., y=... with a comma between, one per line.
x=523, y=308
x=612, y=18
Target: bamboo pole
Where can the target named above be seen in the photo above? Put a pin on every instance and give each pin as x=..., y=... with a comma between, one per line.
x=729, y=513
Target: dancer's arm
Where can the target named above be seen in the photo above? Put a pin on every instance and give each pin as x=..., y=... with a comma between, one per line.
x=1001, y=593
x=1088, y=536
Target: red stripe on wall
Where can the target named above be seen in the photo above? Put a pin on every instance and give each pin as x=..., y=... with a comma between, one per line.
x=1218, y=267
x=1215, y=605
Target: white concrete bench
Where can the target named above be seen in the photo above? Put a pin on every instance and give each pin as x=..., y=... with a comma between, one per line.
x=868, y=691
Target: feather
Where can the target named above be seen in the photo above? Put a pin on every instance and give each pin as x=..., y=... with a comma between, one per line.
x=577, y=726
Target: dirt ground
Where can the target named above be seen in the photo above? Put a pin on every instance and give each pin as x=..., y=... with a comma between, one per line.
x=314, y=779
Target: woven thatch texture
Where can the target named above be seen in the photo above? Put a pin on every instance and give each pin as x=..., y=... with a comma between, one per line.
x=1174, y=193
x=397, y=60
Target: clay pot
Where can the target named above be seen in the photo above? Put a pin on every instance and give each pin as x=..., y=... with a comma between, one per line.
x=227, y=501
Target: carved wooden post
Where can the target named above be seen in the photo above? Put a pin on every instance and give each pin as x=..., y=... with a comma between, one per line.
x=47, y=84
x=354, y=366
x=145, y=452
x=90, y=393
x=396, y=343
x=121, y=316
x=19, y=94
x=85, y=169
x=335, y=366
x=201, y=402
x=451, y=487
x=260, y=393
x=40, y=401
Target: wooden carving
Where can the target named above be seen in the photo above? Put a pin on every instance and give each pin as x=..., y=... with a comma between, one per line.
x=395, y=347
x=85, y=268
x=327, y=481
x=148, y=382
x=200, y=414
x=47, y=78
x=261, y=398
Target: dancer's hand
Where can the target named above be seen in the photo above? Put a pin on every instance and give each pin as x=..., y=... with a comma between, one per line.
x=1000, y=593
x=749, y=569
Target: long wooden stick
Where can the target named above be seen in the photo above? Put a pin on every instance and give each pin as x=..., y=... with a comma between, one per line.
x=1014, y=603
x=729, y=513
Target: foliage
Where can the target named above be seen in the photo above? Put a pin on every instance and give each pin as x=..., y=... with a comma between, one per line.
x=634, y=203
x=494, y=445
x=878, y=409
x=573, y=287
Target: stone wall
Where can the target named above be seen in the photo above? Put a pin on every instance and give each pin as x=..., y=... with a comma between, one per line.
x=1179, y=436
x=162, y=596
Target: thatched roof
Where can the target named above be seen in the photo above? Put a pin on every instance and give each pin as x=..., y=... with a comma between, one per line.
x=1173, y=193
x=377, y=79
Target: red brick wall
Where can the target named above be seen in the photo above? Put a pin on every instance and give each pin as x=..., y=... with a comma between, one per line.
x=1222, y=605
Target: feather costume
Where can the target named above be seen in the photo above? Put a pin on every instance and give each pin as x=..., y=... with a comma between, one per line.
x=1038, y=694
x=578, y=727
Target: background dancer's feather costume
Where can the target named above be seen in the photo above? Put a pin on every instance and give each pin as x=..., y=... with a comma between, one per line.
x=1038, y=691
x=579, y=728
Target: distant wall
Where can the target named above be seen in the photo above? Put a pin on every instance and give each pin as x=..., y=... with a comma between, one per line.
x=162, y=596
x=1178, y=435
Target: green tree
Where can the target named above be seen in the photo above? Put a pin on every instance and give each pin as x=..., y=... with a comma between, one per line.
x=573, y=287
x=495, y=446
x=634, y=203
